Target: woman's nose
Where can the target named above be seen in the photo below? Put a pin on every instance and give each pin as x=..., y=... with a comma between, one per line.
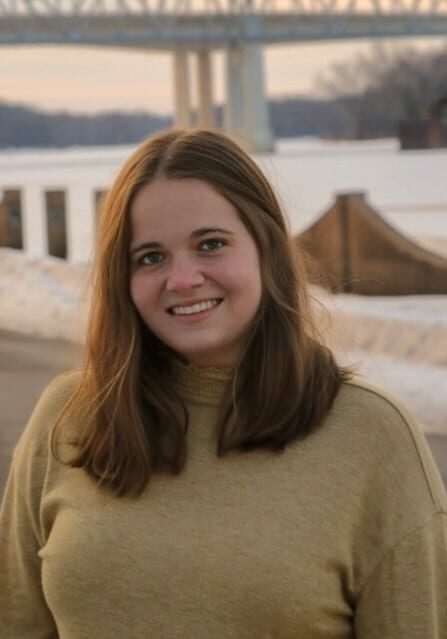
x=184, y=274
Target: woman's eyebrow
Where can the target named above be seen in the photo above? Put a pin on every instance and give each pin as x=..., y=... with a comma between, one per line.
x=212, y=229
x=145, y=245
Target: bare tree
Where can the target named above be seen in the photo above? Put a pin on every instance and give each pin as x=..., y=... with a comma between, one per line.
x=387, y=85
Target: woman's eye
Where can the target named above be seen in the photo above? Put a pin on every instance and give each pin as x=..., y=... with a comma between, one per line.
x=211, y=245
x=151, y=258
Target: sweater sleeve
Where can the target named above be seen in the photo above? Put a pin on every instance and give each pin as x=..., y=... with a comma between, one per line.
x=23, y=610
x=24, y=613
x=406, y=595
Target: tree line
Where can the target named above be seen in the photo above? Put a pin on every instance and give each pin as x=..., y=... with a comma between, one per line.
x=22, y=126
x=363, y=98
x=27, y=127
x=378, y=90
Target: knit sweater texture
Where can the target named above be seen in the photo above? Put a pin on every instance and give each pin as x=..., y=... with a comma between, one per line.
x=343, y=535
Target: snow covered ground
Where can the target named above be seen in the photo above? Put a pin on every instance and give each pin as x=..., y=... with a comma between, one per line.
x=46, y=298
x=398, y=342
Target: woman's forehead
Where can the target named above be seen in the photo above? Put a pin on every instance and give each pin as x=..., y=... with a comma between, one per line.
x=186, y=205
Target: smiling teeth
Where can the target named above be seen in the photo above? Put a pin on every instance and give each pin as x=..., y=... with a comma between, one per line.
x=196, y=308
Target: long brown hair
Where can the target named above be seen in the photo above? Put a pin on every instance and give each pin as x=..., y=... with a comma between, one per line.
x=136, y=420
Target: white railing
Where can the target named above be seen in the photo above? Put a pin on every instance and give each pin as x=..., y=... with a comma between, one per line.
x=79, y=215
x=80, y=173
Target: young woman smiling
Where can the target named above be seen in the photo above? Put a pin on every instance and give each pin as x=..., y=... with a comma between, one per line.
x=211, y=471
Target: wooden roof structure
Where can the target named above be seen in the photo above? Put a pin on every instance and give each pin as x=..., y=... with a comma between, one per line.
x=351, y=248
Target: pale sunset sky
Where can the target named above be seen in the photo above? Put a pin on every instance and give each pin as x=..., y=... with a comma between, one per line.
x=88, y=80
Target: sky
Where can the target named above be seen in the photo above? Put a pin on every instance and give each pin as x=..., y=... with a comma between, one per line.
x=89, y=80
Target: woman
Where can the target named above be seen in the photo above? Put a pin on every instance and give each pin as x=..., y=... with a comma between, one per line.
x=212, y=472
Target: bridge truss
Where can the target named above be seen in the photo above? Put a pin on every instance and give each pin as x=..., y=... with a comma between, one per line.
x=164, y=24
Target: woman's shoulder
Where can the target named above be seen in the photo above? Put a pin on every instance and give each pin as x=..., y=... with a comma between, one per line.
x=32, y=458
x=60, y=388
x=63, y=384
x=388, y=439
x=56, y=394
x=46, y=411
x=364, y=404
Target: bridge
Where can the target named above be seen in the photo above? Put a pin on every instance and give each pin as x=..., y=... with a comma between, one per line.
x=240, y=27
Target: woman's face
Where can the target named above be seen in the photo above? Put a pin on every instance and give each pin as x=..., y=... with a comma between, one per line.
x=195, y=273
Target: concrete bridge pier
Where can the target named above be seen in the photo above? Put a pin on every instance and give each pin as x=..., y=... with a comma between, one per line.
x=182, y=95
x=234, y=120
x=182, y=90
x=205, y=114
x=246, y=110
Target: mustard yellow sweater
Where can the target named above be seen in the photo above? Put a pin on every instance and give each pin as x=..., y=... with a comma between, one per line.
x=342, y=536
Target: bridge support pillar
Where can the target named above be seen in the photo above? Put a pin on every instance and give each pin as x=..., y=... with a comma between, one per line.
x=34, y=222
x=205, y=115
x=246, y=113
x=234, y=107
x=182, y=114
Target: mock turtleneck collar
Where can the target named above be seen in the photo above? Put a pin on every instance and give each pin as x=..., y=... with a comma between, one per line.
x=205, y=385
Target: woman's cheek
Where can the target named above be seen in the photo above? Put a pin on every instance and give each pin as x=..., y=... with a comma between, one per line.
x=137, y=290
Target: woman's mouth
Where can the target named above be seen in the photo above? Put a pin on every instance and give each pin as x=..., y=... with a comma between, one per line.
x=196, y=308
